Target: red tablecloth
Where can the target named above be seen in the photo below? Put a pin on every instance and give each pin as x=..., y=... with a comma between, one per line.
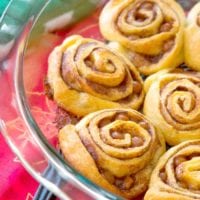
x=15, y=182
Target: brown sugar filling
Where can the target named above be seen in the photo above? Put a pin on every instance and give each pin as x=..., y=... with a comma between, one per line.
x=106, y=90
x=136, y=14
x=122, y=116
x=163, y=176
x=136, y=141
x=178, y=170
x=147, y=5
x=64, y=117
x=166, y=26
x=198, y=20
x=141, y=60
x=123, y=183
x=47, y=89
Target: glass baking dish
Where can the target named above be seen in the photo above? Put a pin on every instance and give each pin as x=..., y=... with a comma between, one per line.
x=29, y=30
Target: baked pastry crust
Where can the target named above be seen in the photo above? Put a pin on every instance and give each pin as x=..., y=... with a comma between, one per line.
x=85, y=76
x=192, y=38
x=150, y=32
x=115, y=148
x=176, y=175
x=172, y=104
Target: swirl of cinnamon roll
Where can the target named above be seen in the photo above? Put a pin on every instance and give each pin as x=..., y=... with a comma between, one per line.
x=177, y=174
x=192, y=38
x=115, y=148
x=85, y=75
x=150, y=32
x=173, y=104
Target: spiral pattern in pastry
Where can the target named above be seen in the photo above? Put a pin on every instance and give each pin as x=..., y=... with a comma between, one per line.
x=173, y=105
x=177, y=174
x=150, y=30
x=192, y=38
x=115, y=148
x=85, y=75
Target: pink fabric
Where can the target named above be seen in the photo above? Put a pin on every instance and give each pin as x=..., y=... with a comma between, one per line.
x=15, y=182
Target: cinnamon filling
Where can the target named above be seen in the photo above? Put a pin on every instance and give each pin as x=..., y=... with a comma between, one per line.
x=104, y=90
x=188, y=107
x=163, y=176
x=198, y=20
x=48, y=90
x=178, y=160
x=124, y=183
x=136, y=119
x=166, y=26
x=120, y=132
x=90, y=64
x=193, y=155
x=179, y=170
x=122, y=116
x=117, y=135
x=137, y=87
x=137, y=141
x=168, y=45
x=128, y=183
x=141, y=60
x=177, y=166
x=140, y=17
x=147, y=5
x=63, y=118
x=144, y=125
x=90, y=149
x=104, y=122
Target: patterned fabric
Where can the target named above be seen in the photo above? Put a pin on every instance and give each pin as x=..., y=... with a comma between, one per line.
x=15, y=182
x=13, y=176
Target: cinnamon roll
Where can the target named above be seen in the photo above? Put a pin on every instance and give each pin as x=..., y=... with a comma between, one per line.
x=115, y=148
x=173, y=104
x=177, y=175
x=192, y=38
x=149, y=31
x=84, y=75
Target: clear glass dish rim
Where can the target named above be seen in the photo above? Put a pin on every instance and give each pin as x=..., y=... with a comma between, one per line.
x=63, y=169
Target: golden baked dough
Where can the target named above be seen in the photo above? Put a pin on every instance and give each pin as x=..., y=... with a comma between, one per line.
x=177, y=174
x=150, y=30
x=85, y=75
x=115, y=148
x=192, y=39
x=172, y=104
